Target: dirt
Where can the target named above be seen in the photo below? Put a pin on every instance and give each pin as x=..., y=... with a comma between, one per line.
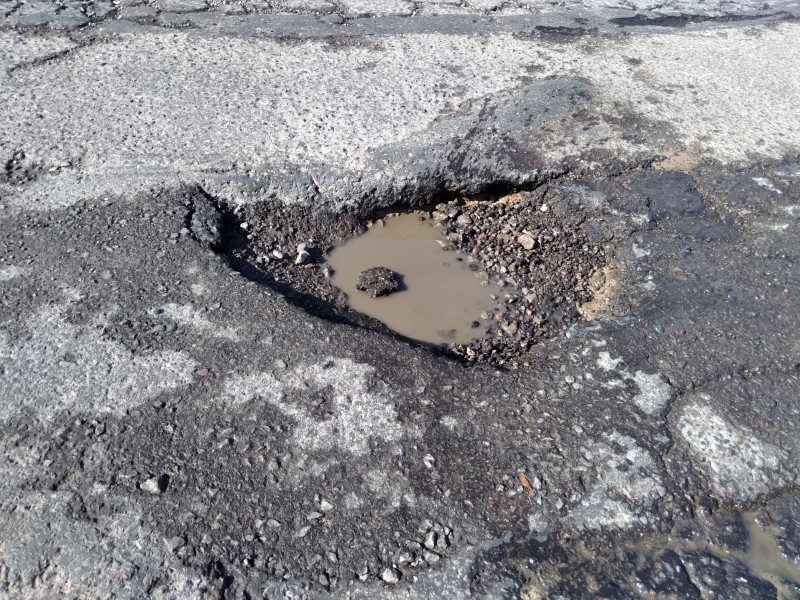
x=603, y=287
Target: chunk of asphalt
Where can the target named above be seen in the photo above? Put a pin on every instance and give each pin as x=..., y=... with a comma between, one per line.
x=378, y=281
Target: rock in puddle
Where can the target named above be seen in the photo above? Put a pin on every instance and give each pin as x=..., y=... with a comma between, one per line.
x=378, y=281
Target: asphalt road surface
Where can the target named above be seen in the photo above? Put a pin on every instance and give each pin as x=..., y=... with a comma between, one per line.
x=174, y=426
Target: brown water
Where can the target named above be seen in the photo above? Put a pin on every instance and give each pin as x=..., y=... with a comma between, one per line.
x=440, y=297
x=762, y=558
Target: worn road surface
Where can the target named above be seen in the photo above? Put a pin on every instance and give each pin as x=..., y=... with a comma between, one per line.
x=173, y=427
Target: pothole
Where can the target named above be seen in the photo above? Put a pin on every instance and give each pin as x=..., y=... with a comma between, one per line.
x=483, y=280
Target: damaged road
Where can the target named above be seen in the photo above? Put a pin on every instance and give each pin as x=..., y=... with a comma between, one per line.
x=182, y=420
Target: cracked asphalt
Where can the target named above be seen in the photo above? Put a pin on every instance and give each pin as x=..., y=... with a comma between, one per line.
x=174, y=427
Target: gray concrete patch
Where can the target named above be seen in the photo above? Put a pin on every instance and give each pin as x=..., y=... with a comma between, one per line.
x=9, y=273
x=59, y=367
x=358, y=411
x=192, y=318
x=108, y=557
x=746, y=447
x=739, y=466
x=335, y=150
x=628, y=478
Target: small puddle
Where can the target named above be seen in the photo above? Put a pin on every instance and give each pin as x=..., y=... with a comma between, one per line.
x=762, y=558
x=441, y=298
x=763, y=555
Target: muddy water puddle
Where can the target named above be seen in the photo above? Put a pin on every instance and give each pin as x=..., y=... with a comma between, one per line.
x=762, y=557
x=442, y=295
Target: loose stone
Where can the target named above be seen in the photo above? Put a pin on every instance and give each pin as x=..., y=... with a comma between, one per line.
x=430, y=539
x=301, y=533
x=151, y=486
x=526, y=241
x=390, y=575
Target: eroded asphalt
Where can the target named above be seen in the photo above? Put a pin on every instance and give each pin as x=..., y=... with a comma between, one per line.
x=171, y=428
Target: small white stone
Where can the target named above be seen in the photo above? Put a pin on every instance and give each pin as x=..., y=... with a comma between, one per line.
x=526, y=241
x=301, y=533
x=151, y=486
x=430, y=540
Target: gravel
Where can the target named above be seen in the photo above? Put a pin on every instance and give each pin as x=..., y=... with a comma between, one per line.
x=544, y=263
